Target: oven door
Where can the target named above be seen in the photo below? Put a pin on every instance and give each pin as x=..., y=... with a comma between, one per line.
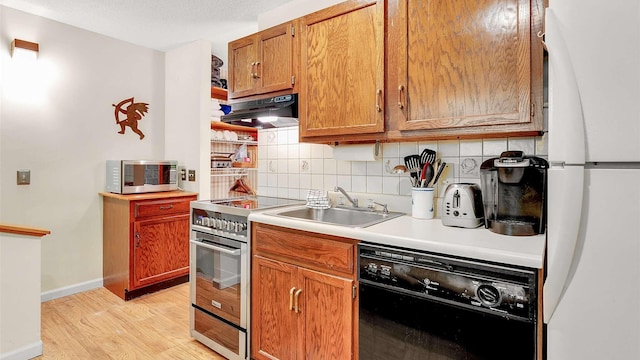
x=218, y=265
x=219, y=290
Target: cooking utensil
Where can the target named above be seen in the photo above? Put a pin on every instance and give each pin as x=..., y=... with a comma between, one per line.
x=438, y=173
x=427, y=156
x=412, y=162
x=426, y=175
x=436, y=167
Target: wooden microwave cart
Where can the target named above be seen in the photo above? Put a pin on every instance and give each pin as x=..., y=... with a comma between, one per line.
x=145, y=241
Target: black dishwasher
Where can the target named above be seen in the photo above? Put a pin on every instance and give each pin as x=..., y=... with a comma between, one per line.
x=416, y=305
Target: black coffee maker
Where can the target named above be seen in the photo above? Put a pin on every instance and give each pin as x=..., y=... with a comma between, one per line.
x=514, y=190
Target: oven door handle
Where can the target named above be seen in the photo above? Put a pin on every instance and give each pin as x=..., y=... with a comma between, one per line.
x=235, y=252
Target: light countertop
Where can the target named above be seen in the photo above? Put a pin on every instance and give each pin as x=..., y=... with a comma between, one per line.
x=427, y=235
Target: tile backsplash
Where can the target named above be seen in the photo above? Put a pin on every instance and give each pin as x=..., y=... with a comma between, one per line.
x=287, y=168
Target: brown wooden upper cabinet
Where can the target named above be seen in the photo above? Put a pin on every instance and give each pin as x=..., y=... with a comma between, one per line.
x=403, y=70
x=464, y=66
x=341, y=89
x=263, y=62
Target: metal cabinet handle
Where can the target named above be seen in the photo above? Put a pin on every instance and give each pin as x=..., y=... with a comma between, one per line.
x=254, y=69
x=256, y=75
x=234, y=252
x=400, y=92
x=291, y=298
x=166, y=207
x=378, y=96
x=137, y=239
x=295, y=305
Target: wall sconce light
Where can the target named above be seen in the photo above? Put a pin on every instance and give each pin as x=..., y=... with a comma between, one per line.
x=24, y=48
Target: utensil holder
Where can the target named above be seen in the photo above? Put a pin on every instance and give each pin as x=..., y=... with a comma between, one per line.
x=422, y=202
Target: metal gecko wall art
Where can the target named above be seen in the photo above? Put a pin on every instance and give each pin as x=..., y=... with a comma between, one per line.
x=134, y=112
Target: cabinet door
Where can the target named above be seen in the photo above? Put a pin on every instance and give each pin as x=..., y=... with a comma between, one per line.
x=243, y=55
x=262, y=63
x=461, y=63
x=160, y=249
x=273, y=324
x=342, y=70
x=275, y=67
x=326, y=316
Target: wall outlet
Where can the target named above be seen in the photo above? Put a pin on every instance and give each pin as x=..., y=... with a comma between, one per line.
x=192, y=175
x=183, y=174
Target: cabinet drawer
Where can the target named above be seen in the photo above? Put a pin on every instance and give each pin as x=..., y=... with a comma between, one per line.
x=315, y=251
x=161, y=207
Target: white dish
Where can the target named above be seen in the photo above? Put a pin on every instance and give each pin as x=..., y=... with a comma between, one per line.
x=230, y=135
x=218, y=135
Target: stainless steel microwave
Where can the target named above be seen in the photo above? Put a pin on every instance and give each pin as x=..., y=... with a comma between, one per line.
x=141, y=176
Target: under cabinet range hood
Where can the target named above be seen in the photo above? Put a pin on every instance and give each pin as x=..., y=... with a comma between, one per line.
x=277, y=111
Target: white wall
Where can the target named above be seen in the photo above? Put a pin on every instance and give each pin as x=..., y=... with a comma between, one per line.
x=63, y=129
x=188, y=112
x=19, y=297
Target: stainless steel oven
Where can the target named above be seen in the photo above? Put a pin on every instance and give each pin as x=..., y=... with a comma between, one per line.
x=219, y=280
x=220, y=268
x=416, y=305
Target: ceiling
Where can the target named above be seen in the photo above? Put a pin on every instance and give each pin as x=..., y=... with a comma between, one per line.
x=156, y=24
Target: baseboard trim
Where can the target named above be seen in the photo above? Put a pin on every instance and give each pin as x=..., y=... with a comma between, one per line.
x=26, y=352
x=70, y=290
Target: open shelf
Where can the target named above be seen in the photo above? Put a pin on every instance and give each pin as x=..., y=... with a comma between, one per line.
x=219, y=125
x=218, y=93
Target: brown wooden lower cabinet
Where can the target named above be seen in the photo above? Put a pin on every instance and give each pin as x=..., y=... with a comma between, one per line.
x=159, y=249
x=300, y=310
x=145, y=241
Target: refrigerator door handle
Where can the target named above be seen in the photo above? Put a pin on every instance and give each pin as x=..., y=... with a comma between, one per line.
x=566, y=187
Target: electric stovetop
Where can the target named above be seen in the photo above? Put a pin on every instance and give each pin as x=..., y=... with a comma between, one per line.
x=245, y=204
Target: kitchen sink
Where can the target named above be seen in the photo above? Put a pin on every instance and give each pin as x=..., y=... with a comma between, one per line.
x=350, y=217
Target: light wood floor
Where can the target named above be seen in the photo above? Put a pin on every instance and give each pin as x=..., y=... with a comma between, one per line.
x=97, y=324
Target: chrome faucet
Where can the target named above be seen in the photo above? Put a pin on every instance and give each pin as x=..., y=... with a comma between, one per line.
x=372, y=206
x=354, y=202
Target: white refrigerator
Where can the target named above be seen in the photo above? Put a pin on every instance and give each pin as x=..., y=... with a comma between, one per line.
x=592, y=290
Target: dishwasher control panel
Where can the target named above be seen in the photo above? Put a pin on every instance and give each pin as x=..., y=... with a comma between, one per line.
x=494, y=288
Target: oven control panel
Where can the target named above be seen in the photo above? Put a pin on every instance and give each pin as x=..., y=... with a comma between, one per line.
x=219, y=222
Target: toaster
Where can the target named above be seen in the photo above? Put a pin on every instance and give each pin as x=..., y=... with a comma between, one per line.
x=462, y=206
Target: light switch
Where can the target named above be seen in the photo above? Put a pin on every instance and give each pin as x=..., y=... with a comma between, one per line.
x=24, y=177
